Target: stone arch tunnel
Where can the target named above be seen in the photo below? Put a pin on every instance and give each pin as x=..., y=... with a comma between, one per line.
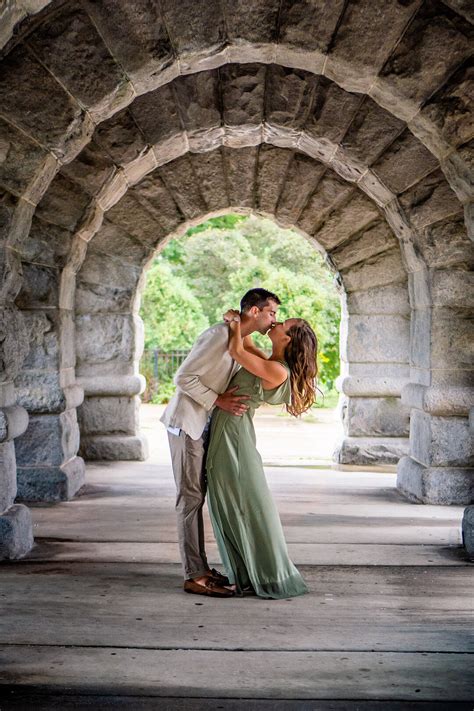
x=122, y=123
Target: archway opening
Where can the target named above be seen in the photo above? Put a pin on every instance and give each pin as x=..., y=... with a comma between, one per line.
x=196, y=277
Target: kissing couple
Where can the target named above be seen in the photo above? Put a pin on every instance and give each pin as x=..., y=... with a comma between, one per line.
x=220, y=384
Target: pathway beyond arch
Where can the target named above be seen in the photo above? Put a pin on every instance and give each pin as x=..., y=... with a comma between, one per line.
x=386, y=618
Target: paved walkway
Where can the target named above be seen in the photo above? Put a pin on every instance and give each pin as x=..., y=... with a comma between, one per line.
x=95, y=618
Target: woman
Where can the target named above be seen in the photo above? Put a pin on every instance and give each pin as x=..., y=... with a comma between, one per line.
x=244, y=517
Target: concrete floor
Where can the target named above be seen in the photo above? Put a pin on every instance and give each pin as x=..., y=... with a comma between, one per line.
x=95, y=617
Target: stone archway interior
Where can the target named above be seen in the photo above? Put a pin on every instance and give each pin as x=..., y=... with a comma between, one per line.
x=123, y=123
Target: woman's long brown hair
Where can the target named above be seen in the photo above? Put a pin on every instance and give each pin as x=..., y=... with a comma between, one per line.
x=301, y=354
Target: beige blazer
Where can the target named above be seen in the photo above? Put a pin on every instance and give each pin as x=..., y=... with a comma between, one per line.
x=204, y=374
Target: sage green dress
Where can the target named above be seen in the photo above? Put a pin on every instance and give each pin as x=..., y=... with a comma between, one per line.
x=244, y=517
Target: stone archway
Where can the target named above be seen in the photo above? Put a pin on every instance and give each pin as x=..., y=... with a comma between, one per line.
x=361, y=144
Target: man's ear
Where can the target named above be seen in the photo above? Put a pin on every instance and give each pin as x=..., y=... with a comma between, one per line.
x=254, y=311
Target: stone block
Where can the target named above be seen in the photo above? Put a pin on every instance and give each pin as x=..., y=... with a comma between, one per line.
x=109, y=415
x=358, y=386
x=468, y=531
x=434, y=485
x=122, y=386
x=162, y=103
x=7, y=474
x=198, y=99
x=371, y=130
x=387, y=299
x=120, y=137
x=104, y=338
x=451, y=338
x=180, y=177
x=376, y=371
x=377, y=338
x=351, y=218
x=153, y=194
x=434, y=45
x=375, y=451
x=90, y=169
x=288, y=96
x=430, y=200
x=450, y=108
x=302, y=178
x=209, y=171
x=375, y=417
x=51, y=484
x=194, y=26
x=330, y=193
x=40, y=287
x=49, y=440
x=64, y=203
x=47, y=244
x=240, y=171
x=71, y=48
x=446, y=243
x=440, y=441
x=438, y=400
x=136, y=35
x=272, y=169
x=114, y=448
x=20, y=159
x=42, y=328
x=374, y=240
x=453, y=288
x=243, y=88
x=109, y=271
x=23, y=87
x=16, y=532
x=40, y=391
x=404, y=163
x=114, y=241
x=308, y=25
x=332, y=111
x=420, y=338
x=251, y=22
x=132, y=216
x=379, y=270
x=364, y=37
x=97, y=298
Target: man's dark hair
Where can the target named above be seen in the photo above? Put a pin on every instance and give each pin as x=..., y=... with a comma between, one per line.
x=258, y=298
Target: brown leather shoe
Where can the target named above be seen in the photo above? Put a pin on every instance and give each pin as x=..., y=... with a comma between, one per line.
x=211, y=588
x=218, y=577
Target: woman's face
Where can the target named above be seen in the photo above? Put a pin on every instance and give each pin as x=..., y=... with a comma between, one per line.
x=279, y=333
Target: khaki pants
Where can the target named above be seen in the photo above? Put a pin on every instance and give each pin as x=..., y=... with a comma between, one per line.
x=187, y=458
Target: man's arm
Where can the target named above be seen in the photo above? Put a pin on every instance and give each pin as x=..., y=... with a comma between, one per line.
x=203, y=358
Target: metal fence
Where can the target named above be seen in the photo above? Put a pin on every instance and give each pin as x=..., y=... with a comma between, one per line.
x=159, y=368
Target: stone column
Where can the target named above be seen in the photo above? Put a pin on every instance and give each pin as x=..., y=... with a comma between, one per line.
x=440, y=469
x=16, y=530
x=48, y=466
x=109, y=350
x=375, y=330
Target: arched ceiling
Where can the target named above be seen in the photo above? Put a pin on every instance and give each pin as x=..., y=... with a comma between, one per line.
x=96, y=95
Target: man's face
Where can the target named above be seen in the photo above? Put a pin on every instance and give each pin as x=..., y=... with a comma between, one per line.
x=266, y=318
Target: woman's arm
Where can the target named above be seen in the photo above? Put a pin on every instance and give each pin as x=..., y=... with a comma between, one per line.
x=250, y=346
x=271, y=372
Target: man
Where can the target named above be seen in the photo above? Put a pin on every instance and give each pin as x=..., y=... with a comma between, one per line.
x=201, y=384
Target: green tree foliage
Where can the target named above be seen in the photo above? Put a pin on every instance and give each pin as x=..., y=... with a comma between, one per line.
x=172, y=314
x=199, y=276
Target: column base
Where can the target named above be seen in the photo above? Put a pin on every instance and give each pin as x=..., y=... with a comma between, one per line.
x=435, y=485
x=51, y=483
x=468, y=531
x=371, y=450
x=16, y=532
x=114, y=447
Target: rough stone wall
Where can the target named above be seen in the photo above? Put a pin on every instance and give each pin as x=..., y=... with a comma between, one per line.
x=121, y=122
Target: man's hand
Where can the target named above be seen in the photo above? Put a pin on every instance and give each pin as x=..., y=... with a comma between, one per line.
x=230, y=402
